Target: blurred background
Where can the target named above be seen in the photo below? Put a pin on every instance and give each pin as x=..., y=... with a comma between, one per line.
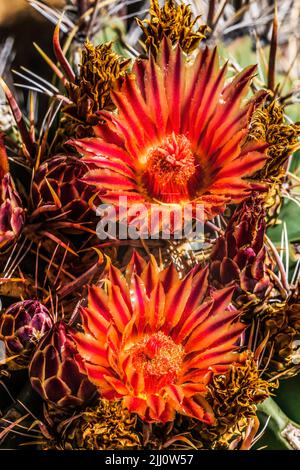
x=242, y=27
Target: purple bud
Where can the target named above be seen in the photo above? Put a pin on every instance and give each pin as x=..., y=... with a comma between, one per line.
x=22, y=325
x=57, y=372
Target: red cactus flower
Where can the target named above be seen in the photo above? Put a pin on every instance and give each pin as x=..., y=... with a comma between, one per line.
x=151, y=340
x=179, y=135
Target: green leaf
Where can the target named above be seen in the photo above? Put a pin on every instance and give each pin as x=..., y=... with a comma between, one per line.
x=280, y=415
x=290, y=214
x=288, y=395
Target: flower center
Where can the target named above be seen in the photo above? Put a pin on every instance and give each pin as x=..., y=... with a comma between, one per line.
x=169, y=168
x=159, y=359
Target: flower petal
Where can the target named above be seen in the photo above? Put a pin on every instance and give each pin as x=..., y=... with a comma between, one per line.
x=90, y=349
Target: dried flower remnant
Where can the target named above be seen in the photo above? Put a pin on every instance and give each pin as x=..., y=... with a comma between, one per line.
x=174, y=21
x=281, y=321
x=99, y=69
x=273, y=198
x=234, y=396
x=107, y=426
x=268, y=124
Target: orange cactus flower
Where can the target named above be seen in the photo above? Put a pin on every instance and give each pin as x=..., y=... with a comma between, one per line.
x=154, y=340
x=179, y=134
